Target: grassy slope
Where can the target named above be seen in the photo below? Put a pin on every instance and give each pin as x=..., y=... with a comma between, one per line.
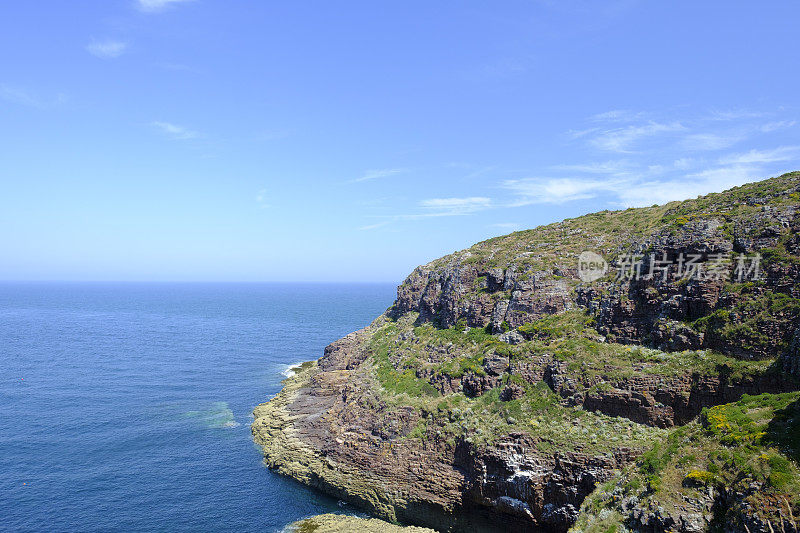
x=750, y=447
x=397, y=359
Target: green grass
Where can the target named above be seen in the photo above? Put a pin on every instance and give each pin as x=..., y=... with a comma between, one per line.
x=558, y=326
x=729, y=447
x=398, y=352
x=746, y=323
x=401, y=380
x=401, y=351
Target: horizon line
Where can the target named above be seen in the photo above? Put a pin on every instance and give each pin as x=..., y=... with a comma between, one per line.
x=243, y=282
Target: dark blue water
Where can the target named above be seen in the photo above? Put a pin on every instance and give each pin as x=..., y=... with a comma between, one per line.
x=127, y=406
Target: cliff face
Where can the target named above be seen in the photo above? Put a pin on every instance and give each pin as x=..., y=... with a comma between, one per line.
x=509, y=381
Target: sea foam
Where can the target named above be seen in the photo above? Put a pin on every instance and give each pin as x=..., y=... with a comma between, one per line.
x=290, y=370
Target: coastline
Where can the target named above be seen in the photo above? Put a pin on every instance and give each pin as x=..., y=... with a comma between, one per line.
x=274, y=430
x=335, y=523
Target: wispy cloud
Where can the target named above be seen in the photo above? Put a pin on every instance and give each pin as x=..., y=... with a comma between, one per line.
x=782, y=153
x=529, y=191
x=617, y=167
x=737, y=114
x=173, y=131
x=370, y=175
x=17, y=95
x=629, y=192
x=664, y=160
x=376, y=225
x=617, y=115
x=455, y=206
x=154, y=6
x=577, y=134
x=777, y=125
x=711, y=141
x=177, y=67
x=261, y=199
x=689, y=186
x=438, y=207
x=682, y=163
x=707, y=132
x=623, y=139
x=107, y=49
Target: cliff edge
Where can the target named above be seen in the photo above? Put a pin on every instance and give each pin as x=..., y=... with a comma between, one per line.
x=560, y=377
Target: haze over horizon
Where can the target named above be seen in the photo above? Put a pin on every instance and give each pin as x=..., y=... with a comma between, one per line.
x=199, y=140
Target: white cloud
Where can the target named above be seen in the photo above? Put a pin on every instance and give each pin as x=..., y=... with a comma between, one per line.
x=621, y=139
x=737, y=114
x=778, y=125
x=178, y=67
x=782, y=153
x=374, y=226
x=455, y=206
x=529, y=191
x=439, y=207
x=616, y=167
x=710, y=141
x=665, y=160
x=643, y=190
x=174, y=131
x=154, y=6
x=577, y=134
x=375, y=174
x=652, y=185
x=616, y=115
x=690, y=186
x=106, y=49
x=630, y=192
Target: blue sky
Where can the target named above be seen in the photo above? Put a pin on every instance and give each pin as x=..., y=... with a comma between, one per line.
x=351, y=141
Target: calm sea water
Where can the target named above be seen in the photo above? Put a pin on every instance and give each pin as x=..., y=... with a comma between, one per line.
x=128, y=406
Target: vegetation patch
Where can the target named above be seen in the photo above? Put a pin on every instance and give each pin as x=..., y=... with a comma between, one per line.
x=746, y=324
x=731, y=448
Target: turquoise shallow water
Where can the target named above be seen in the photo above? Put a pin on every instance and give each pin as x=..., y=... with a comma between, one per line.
x=126, y=407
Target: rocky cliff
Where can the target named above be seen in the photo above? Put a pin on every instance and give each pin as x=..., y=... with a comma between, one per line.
x=522, y=381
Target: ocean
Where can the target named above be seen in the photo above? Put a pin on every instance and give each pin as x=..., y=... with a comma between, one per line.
x=127, y=407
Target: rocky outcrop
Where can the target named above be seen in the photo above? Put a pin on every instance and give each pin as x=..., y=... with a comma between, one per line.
x=517, y=481
x=502, y=388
